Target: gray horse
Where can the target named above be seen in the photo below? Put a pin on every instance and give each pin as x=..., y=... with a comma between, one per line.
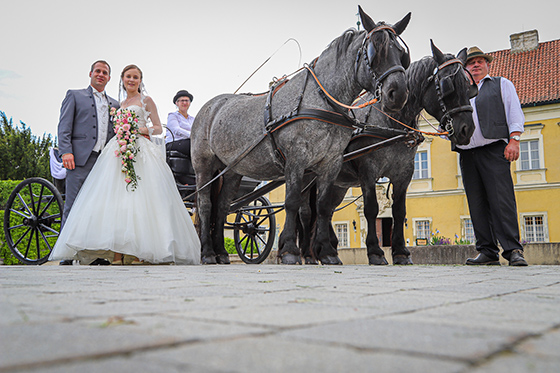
x=437, y=84
x=229, y=132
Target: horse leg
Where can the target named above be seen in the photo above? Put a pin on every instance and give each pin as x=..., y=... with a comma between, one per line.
x=205, y=219
x=306, y=220
x=401, y=255
x=287, y=248
x=230, y=186
x=376, y=256
x=323, y=243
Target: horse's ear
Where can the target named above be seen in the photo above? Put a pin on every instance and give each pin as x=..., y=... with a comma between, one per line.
x=462, y=55
x=438, y=55
x=369, y=24
x=401, y=25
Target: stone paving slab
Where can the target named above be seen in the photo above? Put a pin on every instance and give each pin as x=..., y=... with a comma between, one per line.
x=270, y=318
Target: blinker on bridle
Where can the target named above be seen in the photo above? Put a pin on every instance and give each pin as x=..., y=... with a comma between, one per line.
x=369, y=53
x=445, y=87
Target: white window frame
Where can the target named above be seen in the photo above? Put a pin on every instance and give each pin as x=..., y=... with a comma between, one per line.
x=529, y=151
x=464, y=219
x=533, y=132
x=427, y=169
x=336, y=232
x=544, y=215
x=423, y=184
x=415, y=229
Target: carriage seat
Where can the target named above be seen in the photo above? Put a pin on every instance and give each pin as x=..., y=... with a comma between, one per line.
x=181, y=166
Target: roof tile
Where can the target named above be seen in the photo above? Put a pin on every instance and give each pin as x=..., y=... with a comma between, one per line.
x=535, y=74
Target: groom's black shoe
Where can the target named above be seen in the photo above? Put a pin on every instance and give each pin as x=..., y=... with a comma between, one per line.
x=482, y=259
x=100, y=262
x=67, y=262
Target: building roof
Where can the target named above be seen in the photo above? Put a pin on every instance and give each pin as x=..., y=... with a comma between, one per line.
x=535, y=73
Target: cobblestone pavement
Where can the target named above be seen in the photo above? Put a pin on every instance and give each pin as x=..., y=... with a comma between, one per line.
x=271, y=318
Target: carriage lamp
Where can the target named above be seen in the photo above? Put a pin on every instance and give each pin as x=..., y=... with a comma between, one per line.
x=354, y=225
x=406, y=223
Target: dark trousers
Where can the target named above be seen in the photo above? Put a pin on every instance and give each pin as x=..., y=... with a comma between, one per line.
x=74, y=180
x=183, y=146
x=490, y=194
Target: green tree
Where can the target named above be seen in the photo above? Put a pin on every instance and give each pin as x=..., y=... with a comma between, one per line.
x=22, y=154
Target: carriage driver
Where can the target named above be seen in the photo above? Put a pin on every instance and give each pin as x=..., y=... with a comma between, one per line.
x=179, y=124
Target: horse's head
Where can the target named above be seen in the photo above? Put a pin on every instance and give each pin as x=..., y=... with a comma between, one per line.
x=447, y=96
x=382, y=60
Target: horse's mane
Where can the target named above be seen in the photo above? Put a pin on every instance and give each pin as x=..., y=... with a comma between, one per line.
x=416, y=78
x=342, y=42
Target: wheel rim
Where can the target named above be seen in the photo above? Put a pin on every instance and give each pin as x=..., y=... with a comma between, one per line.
x=32, y=220
x=253, y=240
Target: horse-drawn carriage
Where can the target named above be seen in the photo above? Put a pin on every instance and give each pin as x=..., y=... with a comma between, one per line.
x=32, y=217
x=317, y=146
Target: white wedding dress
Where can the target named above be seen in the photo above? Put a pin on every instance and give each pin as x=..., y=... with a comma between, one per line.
x=150, y=223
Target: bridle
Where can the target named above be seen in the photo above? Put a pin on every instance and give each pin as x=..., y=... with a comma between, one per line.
x=367, y=53
x=444, y=87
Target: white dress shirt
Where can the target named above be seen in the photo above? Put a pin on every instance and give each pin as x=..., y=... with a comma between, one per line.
x=178, y=127
x=102, y=106
x=512, y=107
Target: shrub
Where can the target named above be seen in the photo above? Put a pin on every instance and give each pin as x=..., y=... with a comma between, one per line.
x=6, y=188
x=229, y=244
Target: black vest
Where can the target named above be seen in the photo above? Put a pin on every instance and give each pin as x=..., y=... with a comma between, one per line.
x=490, y=110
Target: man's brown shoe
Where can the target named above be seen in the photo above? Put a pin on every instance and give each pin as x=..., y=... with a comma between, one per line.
x=516, y=258
x=482, y=259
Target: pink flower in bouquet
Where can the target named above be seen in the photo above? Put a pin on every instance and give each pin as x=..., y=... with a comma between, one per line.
x=128, y=180
x=131, y=156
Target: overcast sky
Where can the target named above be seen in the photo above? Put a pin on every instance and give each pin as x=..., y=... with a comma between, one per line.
x=210, y=47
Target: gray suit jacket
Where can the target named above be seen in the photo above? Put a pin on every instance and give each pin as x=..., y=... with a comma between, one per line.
x=77, y=127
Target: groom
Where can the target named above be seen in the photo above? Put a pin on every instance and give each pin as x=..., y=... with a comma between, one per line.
x=83, y=130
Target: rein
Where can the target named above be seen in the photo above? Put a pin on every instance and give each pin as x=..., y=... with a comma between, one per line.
x=314, y=114
x=446, y=120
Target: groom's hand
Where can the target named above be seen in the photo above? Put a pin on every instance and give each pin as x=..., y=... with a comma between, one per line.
x=68, y=161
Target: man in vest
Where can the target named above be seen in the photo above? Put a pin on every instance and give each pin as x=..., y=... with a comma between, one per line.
x=485, y=164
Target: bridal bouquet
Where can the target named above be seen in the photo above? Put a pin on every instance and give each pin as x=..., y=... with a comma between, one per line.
x=125, y=124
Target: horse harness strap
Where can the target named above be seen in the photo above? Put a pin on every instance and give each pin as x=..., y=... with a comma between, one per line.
x=272, y=125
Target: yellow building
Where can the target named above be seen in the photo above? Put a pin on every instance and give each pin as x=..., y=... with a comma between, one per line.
x=436, y=202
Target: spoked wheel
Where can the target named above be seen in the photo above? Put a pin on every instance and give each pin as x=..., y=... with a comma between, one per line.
x=32, y=220
x=254, y=231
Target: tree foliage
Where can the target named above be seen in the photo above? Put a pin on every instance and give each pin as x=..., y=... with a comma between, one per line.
x=22, y=155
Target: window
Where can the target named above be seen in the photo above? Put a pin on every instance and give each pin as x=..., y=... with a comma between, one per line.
x=468, y=231
x=529, y=155
x=534, y=228
x=420, y=165
x=423, y=229
x=341, y=231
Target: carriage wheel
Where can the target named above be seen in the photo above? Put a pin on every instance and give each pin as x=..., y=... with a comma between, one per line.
x=255, y=230
x=32, y=220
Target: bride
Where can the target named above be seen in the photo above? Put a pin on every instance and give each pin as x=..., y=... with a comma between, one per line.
x=145, y=218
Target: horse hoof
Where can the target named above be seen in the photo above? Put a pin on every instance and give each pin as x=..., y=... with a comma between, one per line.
x=291, y=259
x=402, y=260
x=377, y=260
x=208, y=260
x=222, y=259
x=311, y=261
x=331, y=260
